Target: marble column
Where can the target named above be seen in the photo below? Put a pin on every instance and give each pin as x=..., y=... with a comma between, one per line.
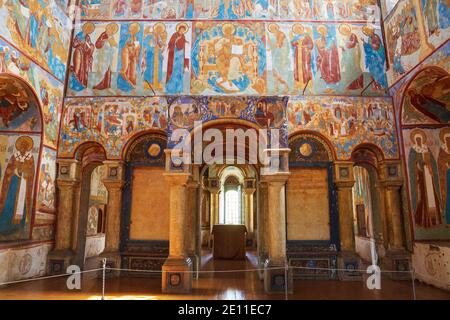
x=249, y=190
x=275, y=231
x=348, y=259
x=67, y=182
x=177, y=270
x=114, y=182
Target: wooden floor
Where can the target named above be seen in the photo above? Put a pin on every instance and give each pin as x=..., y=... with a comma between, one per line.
x=220, y=285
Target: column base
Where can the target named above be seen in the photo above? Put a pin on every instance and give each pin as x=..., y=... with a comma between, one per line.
x=177, y=275
x=275, y=279
x=113, y=260
x=59, y=261
x=397, y=260
x=349, y=261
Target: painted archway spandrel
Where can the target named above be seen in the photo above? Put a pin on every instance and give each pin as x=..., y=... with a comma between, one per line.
x=346, y=122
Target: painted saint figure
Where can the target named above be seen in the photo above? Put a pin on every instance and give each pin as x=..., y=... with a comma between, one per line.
x=303, y=46
x=327, y=57
x=280, y=57
x=17, y=187
x=444, y=171
x=424, y=183
x=127, y=79
x=375, y=58
x=177, y=62
x=430, y=11
x=105, y=46
x=154, y=47
x=351, y=59
x=83, y=50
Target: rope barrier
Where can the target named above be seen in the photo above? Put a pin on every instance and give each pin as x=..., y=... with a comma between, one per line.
x=49, y=277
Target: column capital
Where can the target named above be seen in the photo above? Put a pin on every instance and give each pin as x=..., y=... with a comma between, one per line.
x=112, y=185
x=174, y=179
x=249, y=191
x=391, y=174
x=213, y=185
x=63, y=183
x=343, y=174
x=114, y=170
x=276, y=178
x=68, y=169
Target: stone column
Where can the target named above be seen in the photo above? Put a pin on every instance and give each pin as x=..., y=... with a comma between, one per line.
x=192, y=221
x=177, y=270
x=114, y=182
x=214, y=190
x=68, y=182
x=348, y=258
x=262, y=224
x=249, y=190
x=397, y=258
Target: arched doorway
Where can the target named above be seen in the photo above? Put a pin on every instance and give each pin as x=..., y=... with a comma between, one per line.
x=144, y=236
x=312, y=217
x=93, y=199
x=21, y=128
x=370, y=227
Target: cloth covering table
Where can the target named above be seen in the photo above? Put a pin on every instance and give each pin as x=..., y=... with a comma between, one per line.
x=229, y=241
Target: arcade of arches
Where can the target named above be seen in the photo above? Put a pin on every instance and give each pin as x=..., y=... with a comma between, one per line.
x=90, y=122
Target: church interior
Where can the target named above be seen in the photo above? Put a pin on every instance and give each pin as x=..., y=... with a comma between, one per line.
x=350, y=97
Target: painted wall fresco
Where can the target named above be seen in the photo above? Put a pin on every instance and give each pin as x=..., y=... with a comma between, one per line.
x=130, y=59
x=48, y=89
x=413, y=30
x=231, y=9
x=41, y=29
x=227, y=58
x=347, y=122
x=46, y=183
x=19, y=154
x=422, y=103
x=428, y=160
x=110, y=122
x=18, y=109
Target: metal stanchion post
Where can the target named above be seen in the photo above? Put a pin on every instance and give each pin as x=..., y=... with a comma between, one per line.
x=286, y=281
x=103, y=280
x=413, y=276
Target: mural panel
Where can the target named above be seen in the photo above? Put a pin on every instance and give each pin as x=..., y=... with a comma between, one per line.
x=413, y=30
x=227, y=58
x=427, y=152
x=111, y=122
x=18, y=161
x=41, y=29
x=48, y=89
x=231, y=9
x=18, y=109
x=130, y=59
x=346, y=122
x=46, y=182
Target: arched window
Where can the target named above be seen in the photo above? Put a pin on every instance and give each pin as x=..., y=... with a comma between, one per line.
x=231, y=212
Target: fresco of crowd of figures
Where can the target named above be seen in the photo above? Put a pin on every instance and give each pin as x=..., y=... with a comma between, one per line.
x=230, y=9
x=226, y=58
x=345, y=121
x=414, y=29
